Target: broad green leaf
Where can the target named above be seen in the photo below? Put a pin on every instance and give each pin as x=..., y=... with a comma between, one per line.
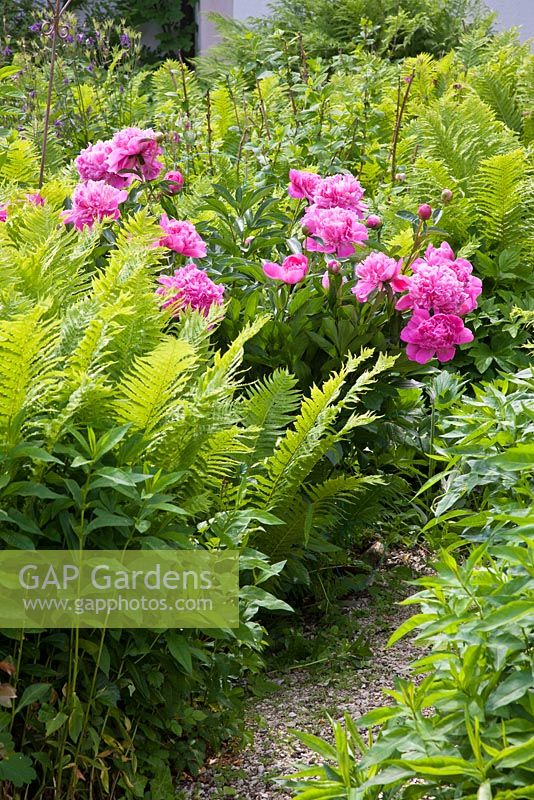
x=515, y=686
x=410, y=625
x=180, y=651
x=516, y=755
x=315, y=743
x=18, y=769
x=76, y=718
x=505, y=615
x=55, y=723
x=33, y=694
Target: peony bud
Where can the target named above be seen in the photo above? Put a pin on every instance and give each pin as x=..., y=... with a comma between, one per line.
x=424, y=211
x=446, y=196
x=175, y=180
x=400, y=177
x=373, y=221
x=333, y=266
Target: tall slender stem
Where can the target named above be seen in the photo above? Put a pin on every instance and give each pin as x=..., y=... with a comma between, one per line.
x=54, y=32
x=57, y=10
x=398, y=123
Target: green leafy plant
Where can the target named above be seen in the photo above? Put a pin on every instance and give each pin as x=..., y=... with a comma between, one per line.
x=467, y=726
x=122, y=428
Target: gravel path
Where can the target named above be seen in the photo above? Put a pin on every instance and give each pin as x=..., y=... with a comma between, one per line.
x=306, y=697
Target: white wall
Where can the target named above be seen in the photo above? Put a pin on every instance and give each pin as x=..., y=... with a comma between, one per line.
x=514, y=13
x=237, y=9
x=251, y=8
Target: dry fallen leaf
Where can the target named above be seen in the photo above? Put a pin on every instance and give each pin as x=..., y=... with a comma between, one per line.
x=8, y=667
x=7, y=694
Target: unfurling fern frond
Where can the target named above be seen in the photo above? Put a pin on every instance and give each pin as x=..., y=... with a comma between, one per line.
x=146, y=396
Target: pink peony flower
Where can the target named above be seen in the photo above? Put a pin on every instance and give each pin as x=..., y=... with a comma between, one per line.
x=439, y=289
x=428, y=336
x=338, y=228
x=175, y=180
x=36, y=199
x=438, y=255
x=292, y=270
x=92, y=166
x=189, y=287
x=374, y=272
x=302, y=184
x=340, y=191
x=3, y=212
x=94, y=200
x=442, y=283
x=135, y=150
x=182, y=237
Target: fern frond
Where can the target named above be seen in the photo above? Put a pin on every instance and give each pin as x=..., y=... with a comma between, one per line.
x=461, y=135
x=19, y=160
x=496, y=83
x=27, y=365
x=269, y=406
x=313, y=433
x=225, y=365
x=500, y=198
x=146, y=396
x=43, y=261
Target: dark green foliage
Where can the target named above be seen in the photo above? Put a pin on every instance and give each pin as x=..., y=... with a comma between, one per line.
x=174, y=18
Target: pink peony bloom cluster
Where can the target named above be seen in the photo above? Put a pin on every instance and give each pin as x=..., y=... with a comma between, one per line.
x=337, y=230
x=293, y=269
x=3, y=212
x=175, y=180
x=92, y=166
x=94, y=200
x=375, y=272
x=332, y=220
x=438, y=336
x=182, y=237
x=36, y=199
x=131, y=153
x=340, y=191
x=444, y=286
x=136, y=151
x=189, y=287
x=441, y=283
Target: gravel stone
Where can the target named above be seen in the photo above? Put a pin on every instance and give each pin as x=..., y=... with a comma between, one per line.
x=304, y=699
